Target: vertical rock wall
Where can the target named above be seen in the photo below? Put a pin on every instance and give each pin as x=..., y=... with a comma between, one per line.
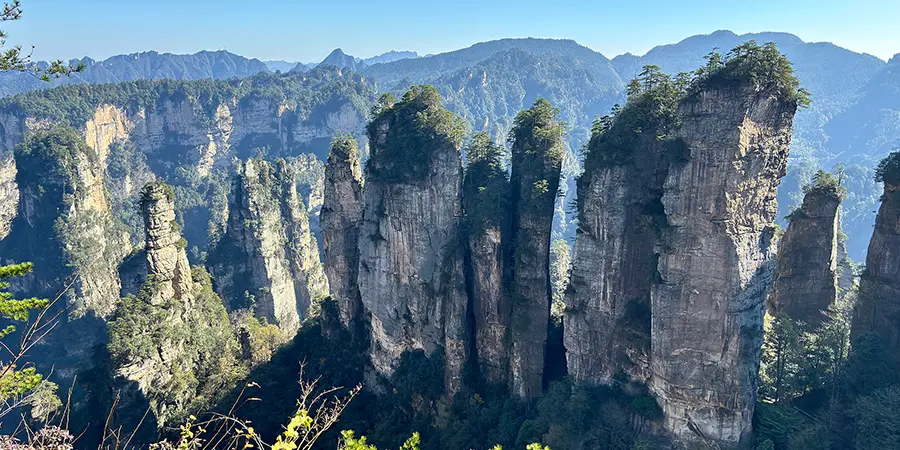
x=878, y=306
x=708, y=307
x=268, y=259
x=537, y=154
x=485, y=200
x=607, y=321
x=340, y=218
x=410, y=252
x=805, y=286
x=167, y=261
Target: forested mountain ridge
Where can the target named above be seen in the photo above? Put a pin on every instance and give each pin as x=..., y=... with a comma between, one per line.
x=142, y=66
x=392, y=76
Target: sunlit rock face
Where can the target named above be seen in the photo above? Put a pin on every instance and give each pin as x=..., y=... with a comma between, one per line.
x=607, y=321
x=167, y=261
x=268, y=260
x=410, y=250
x=714, y=260
x=806, y=275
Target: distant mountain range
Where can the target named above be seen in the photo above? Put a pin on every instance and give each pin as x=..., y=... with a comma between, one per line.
x=854, y=118
x=146, y=65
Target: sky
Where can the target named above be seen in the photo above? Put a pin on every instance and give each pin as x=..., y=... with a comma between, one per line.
x=307, y=31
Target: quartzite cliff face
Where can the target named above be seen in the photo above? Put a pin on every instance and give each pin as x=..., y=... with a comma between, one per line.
x=65, y=227
x=268, y=260
x=879, y=286
x=170, y=288
x=607, y=321
x=340, y=218
x=186, y=136
x=537, y=153
x=708, y=307
x=171, y=346
x=167, y=261
x=805, y=286
x=485, y=200
x=410, y=253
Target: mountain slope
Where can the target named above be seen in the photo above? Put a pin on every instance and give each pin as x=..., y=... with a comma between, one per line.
x=139, y=66
x=490, y=93
x=393, y=76
x=871, y=126
x=390, y=56
x=341, y=60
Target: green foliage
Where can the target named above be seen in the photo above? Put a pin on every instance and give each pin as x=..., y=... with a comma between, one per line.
x=782, y=352
x=560, y=265
x=404, y=135
x=12, y=308
x=870, y=366
x=207, y=361
x=485, y=187
x=764, y=67
x=419, y=375
x=877, y=421
x=537, y=156
x=538, y=130
x=20, y=383
x=56, y=152
x=826, y=183
x=349, y=441
x=888, y=170
x=651, y=114
x=344, y=148
x=303, y=94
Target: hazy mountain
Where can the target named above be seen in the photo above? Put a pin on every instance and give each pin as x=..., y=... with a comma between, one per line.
x=390, y=56
x=147, y=65
x=284, y=66
x=490, y=93
x=830, y=72
x=341, y=60
x=407, y=71
x=871, y=126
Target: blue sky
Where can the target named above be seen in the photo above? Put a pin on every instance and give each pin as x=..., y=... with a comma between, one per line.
x=303, y=30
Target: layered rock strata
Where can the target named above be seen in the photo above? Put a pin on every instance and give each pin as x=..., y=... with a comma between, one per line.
x=64, y=225
x=268, y=260
x=340, y=219
x=167, y=261
x=410, y=253
x=878, y=306
x=485, y=200
x=707, y=309
x=805, y=285
x=607, y=320
x=537, y=153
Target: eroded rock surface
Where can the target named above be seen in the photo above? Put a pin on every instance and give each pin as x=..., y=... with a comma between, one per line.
x=340, y=218
x=268, y=260
x=410, y=251
x=607, y=321
x=485, y=200
x=805, y=286
x=167, y=261
x=708, y=307
x=537, y=154
x=878, y=307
